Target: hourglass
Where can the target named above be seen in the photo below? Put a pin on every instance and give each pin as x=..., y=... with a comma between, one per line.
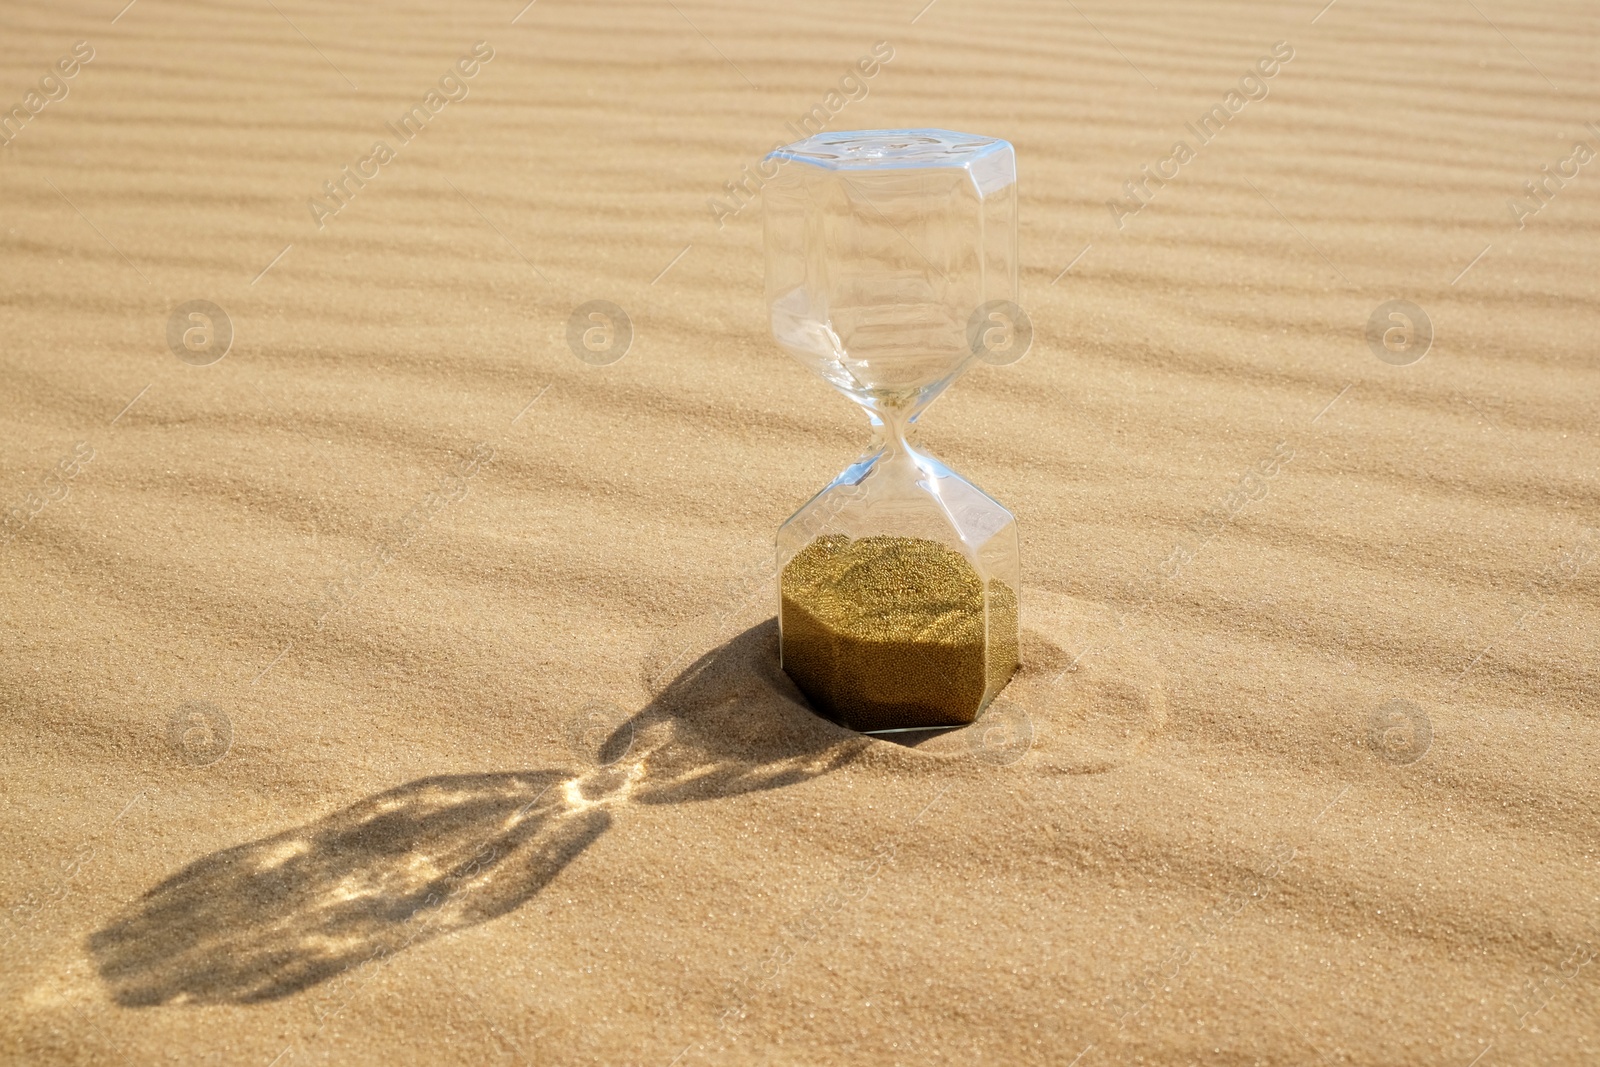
x=887, y=253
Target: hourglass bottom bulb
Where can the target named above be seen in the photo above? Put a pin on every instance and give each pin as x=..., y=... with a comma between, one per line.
x=885, y=633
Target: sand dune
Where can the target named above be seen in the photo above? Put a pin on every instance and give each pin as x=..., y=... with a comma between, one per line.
x=399, y=687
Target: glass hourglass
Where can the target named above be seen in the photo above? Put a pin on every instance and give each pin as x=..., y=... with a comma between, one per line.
x=898, y=583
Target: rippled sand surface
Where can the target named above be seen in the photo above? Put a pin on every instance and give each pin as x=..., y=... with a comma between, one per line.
x=399, y=688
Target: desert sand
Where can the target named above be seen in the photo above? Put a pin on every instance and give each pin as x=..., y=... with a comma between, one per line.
x=400, y=688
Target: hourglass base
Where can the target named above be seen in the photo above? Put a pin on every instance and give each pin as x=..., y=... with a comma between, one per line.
x=931, y=646
x=898, y=596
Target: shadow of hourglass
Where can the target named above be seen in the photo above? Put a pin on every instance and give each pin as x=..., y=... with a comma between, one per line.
x=275, y=916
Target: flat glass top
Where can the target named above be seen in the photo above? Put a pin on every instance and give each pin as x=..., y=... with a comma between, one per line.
x=889, y=149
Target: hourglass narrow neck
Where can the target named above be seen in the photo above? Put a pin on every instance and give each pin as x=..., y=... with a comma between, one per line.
x=893, y=430
x=896, y=428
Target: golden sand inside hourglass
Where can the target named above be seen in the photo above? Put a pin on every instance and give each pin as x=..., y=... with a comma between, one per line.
x=892, y=633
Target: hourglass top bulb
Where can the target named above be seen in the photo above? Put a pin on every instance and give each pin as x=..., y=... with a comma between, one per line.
x=882, y=247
